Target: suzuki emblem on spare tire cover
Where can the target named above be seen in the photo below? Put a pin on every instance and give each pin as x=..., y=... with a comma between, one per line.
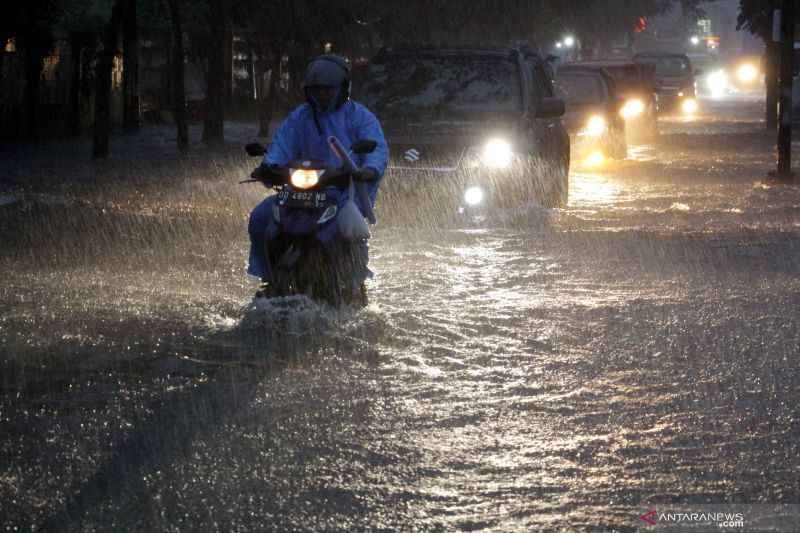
x=412, y=155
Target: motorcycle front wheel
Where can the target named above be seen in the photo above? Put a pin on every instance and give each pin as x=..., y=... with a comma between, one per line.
x=334, y=273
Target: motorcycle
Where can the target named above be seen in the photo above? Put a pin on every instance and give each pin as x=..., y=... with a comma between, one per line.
x=310, y=254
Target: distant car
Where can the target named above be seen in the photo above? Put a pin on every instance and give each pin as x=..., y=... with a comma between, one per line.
x=593, y=116
x=744, y=72
x=637, y=90
x=675, y=76
x=479, y=122
x=712, y=78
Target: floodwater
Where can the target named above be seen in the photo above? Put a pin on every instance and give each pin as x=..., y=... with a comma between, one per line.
x=545, y=369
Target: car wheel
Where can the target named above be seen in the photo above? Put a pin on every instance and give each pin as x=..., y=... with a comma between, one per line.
x=619, y=146
x=652, y=129
x=557, y=193
x=615, y=145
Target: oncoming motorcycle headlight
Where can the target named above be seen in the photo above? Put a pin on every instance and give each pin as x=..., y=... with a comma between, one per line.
x=632, y=108
x=596, y=126
x=304, y=179
x=717, y=82
x=473, y=196
x=497, y=153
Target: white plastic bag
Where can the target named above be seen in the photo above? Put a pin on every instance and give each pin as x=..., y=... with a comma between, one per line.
x=352, y=225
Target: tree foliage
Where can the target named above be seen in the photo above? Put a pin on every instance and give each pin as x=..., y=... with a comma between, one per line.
x=298, y=30
x=755, y=16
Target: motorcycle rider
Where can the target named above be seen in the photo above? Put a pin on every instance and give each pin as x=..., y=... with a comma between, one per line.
x=304, y=133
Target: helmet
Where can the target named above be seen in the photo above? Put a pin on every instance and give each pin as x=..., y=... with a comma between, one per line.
x=330, y=70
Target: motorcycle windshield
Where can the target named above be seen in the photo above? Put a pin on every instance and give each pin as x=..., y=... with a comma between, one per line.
x=442, y=85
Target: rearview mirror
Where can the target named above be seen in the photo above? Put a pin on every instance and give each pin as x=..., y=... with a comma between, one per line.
x=364, y=146
x=255, y=149
x=550, y=108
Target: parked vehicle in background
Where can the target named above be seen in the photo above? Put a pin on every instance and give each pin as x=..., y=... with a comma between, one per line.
x=592, y=117
x=675, y=77
x=469, y=126
x=637, y=90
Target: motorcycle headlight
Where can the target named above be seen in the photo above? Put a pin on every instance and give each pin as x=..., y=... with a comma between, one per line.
x=596, y=126
x=746, y=73
x=304, y=179
x=632, y=108
x=473, y=196
x=497, y=153
x=717, y=82
x=689, y=106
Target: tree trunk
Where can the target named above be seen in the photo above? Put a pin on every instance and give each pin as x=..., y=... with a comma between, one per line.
x=784, y=170
x=9, y=24
x=771, y=80
x=215, y=92
x=102, y=97
x=267, y=105
x=253, y=75
x=33, y=72
x=178, y=98
x=298, y=60
x=228, y=66
x=74, y=119
x=3, y=40
x=130, y=75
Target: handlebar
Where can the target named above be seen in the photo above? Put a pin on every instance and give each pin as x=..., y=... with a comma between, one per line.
x=350, y=165
x=277, y=176
x=280, y=175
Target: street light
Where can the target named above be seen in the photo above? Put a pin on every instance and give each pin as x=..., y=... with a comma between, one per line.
x=695, y=40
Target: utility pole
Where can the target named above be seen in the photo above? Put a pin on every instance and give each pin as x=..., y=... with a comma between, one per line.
x=784, y=171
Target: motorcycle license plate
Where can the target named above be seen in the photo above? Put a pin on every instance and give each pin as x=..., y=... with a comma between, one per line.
x=302, y=199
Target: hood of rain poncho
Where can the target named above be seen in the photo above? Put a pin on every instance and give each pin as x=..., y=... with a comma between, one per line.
x=329, y=70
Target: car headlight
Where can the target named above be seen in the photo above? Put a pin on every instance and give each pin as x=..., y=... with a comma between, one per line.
x=497, y=153
x=594, y=160
x=632, y=108
x=473, y=196
x=304, y=179
x=689, y=106
x=717, y=82
x=596, y=126
x=746, y=73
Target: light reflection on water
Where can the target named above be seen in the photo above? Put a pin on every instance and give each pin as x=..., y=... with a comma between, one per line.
x=555, y=370
x=591, y=188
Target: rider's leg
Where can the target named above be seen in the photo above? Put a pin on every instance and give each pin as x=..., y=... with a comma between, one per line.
x=262, y=230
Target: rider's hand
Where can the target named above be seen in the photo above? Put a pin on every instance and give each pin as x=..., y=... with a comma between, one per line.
x=365, y=175
x=267, y=175
x=259, y=174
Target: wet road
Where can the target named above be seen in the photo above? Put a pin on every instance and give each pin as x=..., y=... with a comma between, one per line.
x=547, y=369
